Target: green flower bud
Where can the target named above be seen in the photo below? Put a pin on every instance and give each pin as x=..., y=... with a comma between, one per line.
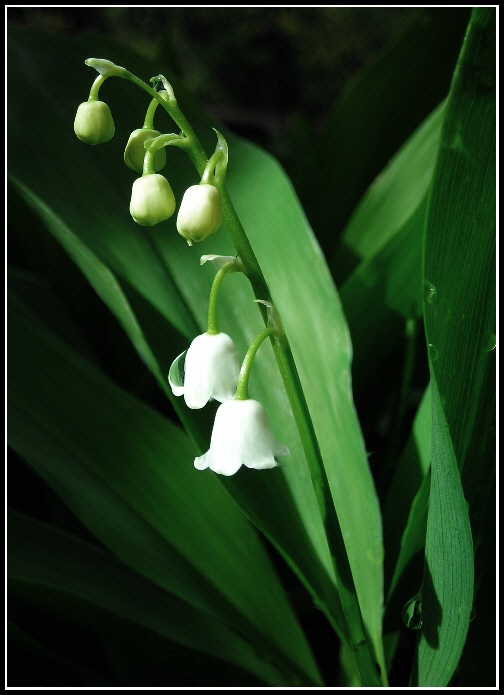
x=152, y=200
x=200, y=212
x=94, y=123
x=135, y=150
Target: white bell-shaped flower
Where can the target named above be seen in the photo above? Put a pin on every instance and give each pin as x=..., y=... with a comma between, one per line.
x=211, y=370
x=241, y=436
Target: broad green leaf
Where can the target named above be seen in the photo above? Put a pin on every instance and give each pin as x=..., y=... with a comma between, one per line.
x=101, y=278
x=386, y=232
x=70, y=577
x=447, y=589
x=376, y=113
x=36, y=294
x=404, y=526
x=397, y=192
x=128, y=475
x=302, y=291
x=120, y=297
x=386, y=289
x=297, y=277
x=459, y=276
x=460, y=241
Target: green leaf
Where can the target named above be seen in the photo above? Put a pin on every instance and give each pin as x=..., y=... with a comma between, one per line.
x=397, y=192
x=74, y=579
x=101, y=278
x=322, y=352
x=459, y=276
x=386, y=232
x=154, y=265
x=447, y=588
x=128, y=475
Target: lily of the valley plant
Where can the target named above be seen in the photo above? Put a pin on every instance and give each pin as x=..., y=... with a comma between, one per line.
x=241, y=434
x=210, y=366
x=383, y=539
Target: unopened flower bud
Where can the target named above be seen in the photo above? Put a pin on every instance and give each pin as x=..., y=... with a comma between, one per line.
x=152, y=200
x=200, y=212
x=94, y=123
x=135, y=151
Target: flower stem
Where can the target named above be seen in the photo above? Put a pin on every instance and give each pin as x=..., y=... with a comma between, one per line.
x=209, y=173
x=243, y=379
x=149, y=116
x=95, y=87
x=213, y=325
x=195, y=149
x=148, y=165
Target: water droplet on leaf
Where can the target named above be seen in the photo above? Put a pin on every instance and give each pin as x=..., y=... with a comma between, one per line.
x=433, y=352
x=412, y=613
x=430, y=292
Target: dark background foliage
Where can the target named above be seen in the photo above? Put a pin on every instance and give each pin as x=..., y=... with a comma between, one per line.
x=252, y=67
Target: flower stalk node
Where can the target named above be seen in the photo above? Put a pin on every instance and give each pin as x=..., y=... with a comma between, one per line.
x=274, y=319
x=170, y=95
x=105, y=67
x=221, y=261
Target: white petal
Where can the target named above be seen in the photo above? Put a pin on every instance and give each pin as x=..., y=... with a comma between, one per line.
x=224, y=368
x=226, y=466
x=196, y=383
x=241, y=436
x=211, y=370
x=259, y=446
x=225, y=451
x=202, y=462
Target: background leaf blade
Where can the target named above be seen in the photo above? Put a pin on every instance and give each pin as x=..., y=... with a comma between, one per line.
x=459, y=281
x=126, y=446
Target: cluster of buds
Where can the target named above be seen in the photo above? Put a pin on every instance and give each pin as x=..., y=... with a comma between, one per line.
x=152, y=199
x=209, y=369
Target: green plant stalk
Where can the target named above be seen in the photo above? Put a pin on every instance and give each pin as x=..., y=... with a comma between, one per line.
x=149, y=116
x=243, y=379
x=213, y=324
x=95, y=88
x=194, y=148
x=354, y=629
